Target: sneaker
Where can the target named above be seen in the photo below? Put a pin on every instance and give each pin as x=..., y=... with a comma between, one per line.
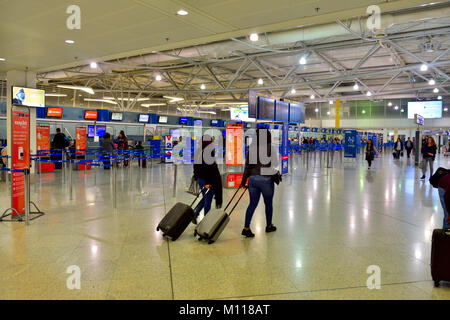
x=248, y=233
x=422, y=178
x=271, y=228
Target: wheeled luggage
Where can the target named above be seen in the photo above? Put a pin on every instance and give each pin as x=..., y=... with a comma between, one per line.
x=440, y=257
x=213, y=224
x=177, y=219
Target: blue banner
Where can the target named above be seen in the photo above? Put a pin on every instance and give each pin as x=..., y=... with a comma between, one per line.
x=350, y=146
x=285, y=150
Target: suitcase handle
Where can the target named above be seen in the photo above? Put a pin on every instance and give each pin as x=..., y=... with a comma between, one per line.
x=237, y=202
x=207, y=190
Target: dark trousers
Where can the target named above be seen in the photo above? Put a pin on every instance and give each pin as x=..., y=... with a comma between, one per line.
x=207, y=199
x=258, y=185
x=408, y=152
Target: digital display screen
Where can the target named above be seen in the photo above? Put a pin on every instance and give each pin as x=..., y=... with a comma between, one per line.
x=117, y=116
x=295, y=113
x=214, y=123
x=198, y=122
x=162, y=119
x=427, y=109
x=143, y=118
x=54, y=112
x=239, y=113
x=282, y=111
x=183, y=121
x=100, y=131
x=90, y=115
x=266, y=109
x=28, y=97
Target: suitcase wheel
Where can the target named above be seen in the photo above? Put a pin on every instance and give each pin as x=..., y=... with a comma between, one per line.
x=157, y=228
x=210, y=242
x=436, y=283
x=195, y=233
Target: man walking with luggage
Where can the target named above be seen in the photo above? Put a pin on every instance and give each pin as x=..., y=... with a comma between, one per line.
x=409, y=146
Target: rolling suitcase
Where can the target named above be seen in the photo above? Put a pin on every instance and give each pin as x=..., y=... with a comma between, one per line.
x=440, y=256
x=212, y=225
x=177, y=219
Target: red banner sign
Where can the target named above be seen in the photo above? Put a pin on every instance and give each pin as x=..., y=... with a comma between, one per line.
x=234, y=145
x=81, y=139
x=42, y=138
x=20, y=157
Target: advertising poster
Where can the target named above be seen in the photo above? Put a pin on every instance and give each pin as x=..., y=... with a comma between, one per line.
x=20, y=157
x=285, y=150
x=350, y=144
x=168, y=145
x=80, y=141
x=42, y=138
x=234, y=145
x=234, y=180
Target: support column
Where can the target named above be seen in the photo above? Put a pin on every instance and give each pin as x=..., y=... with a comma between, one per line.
x=395, y=134
x=337, y=112
x=22, y=79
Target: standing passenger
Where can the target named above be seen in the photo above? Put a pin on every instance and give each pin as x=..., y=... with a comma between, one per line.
x=123, y=145
x=409, y=146
x=429, y=153
x=370, y=152
x=107, y=148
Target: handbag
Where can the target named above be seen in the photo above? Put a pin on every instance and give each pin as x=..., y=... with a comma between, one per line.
x=193, y=187
x=277, y=178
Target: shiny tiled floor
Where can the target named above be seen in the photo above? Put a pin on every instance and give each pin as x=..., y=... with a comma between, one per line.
x=332, y=224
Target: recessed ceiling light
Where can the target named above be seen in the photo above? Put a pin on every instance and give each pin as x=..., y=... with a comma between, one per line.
x=313, y=96
x=182, y=12
x=260, y=81
x=436, y=90
x=445, y=109
x=158, y=77
x=390, y=104
x=302, y=60
x=432, y=82
x=439, y=97
x=70, y=41
x=316, y=110
x=364, y=111
x=369, y=93
x=423, y=67
x=396, y=107
x=93, y=65
x=203, y=87
x=331, y=102
x=293, y=91
x=328, y=113
x=356, y=87
x=254, y=37
x=403, y=110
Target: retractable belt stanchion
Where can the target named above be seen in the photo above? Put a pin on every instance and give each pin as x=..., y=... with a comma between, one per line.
x=27, y=196
x=328, y=155
x=114, y=185
x=70, y=179
x=175, y=179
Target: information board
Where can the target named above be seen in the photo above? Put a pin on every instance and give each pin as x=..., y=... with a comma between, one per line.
x=42, y=138
x=234, y=144
x=350, y=146
x=81, y=134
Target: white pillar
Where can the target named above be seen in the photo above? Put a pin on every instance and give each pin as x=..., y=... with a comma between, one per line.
x=21, y=79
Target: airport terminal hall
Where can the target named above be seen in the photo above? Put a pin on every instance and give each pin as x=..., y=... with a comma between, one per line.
x=202, y=151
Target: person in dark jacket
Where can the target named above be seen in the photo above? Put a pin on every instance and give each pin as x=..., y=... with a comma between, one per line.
x=259, y=172
x=370, y=152
x=141, y=154
x=398, y=148
x=107, y=148
x=428, y=153
x=59, y=143
x=206, y=173
x=409, y=145
x=444, y=195
x=123, y=145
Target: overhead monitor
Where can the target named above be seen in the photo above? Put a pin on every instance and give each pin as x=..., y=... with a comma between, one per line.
x=266, y=110
x=419, y=119
x=162, y=119
x=144, y=118
x=183, y=121
x=28, y=97
x=214, y=123
x=116, y=116
x=90, y=114
x=240, y=113
x=198, y=122
x=282, y=111
x=100, y=131
x=427, y=109
x=53, y=112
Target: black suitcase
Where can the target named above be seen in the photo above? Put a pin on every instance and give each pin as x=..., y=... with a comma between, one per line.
x=177, y=219
x=440, y=256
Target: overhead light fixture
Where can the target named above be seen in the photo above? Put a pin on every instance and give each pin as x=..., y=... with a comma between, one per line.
x=100, y=100
x=260, y=81
x=403, y=110
x=316, y=110
x=439, y=97
x=432, y=82
x=158, y=77
x=364, y=111
x=302, y=60
x=93, y=65
x=396, y=107
x=435, y=90
x=293, y=91
x=173, y=99
x=445, y=109
x=331, y=102
x=146, y=105
x=254, y=37
x=85, y=89
x=390, y=104
x=423, y=67
x=328, y=113
x=127, y=99
x=356, y=87
x=369, y=93
x=312, y=96
x=55, y=95
x=2, y=59
x=203, y=87
x=70, y=41
x=182, y=12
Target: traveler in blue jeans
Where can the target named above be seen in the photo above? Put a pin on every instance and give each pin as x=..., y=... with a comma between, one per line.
x=444, y=195
x=260, y=164
x=207, y=174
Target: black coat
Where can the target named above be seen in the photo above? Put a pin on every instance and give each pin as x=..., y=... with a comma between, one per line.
x=211, y=174
x=427, y=149
x=370, y=152
x=60, y=141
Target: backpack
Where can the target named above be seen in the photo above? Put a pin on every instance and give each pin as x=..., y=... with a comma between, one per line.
x=440, y=172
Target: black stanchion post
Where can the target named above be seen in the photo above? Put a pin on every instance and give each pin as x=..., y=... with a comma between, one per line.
x=70, y=179
x=27, y=196
x=114, y=186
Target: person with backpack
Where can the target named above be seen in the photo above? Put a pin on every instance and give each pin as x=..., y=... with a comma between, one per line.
x=429, y=153
x=261, y=175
